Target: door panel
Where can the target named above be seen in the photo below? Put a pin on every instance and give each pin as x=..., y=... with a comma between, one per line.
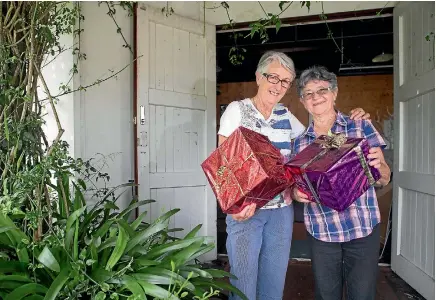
x=177, y=91
x=413, y=242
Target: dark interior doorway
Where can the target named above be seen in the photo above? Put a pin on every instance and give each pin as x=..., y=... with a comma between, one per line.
x=315, y=43
x=362, y=36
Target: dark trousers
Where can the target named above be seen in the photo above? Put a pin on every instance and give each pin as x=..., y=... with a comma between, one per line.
x=353, y=263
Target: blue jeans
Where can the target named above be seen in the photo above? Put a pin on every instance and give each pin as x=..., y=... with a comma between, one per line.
x=259, y=250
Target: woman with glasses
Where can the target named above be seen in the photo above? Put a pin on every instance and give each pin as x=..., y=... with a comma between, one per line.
x=344, y=245
x=258, y=243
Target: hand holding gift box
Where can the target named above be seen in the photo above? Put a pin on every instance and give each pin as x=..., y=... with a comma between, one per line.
x=245, y=169
x=334, y=170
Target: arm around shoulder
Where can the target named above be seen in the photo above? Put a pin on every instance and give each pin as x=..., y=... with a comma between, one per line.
x=297, y=127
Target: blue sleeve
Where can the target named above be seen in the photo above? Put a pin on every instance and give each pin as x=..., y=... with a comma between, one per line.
x=371, y=134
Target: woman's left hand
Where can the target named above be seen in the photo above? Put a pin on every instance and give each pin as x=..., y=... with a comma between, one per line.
x=377, y=160
x=376, y=157
x=359, y=114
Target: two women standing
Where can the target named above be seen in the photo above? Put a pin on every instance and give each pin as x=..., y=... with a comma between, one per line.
x=259, y=242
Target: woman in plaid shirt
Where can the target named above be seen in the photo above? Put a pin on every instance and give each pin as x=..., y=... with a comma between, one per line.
x=344, y=245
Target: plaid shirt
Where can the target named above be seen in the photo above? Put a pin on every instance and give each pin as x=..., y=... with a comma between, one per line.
x=359, y=219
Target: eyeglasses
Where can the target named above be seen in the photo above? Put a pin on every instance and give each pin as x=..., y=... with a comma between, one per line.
x=274, y=79
x=320, y=92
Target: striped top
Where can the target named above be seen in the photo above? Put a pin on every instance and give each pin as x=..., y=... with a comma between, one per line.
x=358, y=220
x=280, y=128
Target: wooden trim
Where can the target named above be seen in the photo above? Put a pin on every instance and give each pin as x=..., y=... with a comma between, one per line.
x=315, y=18
x=142, y=43
x=135, y=102
x=176, y=99
x=418, y=86
x=175, y=180
x=422, y=183
x=210, y=93
x=173, y=20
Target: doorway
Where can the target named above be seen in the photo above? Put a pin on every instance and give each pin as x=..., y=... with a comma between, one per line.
x=365, y=78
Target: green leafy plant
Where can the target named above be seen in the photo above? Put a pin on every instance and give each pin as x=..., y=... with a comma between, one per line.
x=100, y=252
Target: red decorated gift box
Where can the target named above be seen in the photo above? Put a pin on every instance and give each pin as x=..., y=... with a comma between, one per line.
x=246, y=168
x=334, y=170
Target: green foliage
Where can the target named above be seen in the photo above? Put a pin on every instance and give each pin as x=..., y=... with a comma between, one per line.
x=167, y=10
x=258, y=27
x=53, y=245
x=99, y=252
x=125, y=5
x=305, y=3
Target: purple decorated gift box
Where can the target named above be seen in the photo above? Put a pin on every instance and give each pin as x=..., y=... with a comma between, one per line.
x=334, y=170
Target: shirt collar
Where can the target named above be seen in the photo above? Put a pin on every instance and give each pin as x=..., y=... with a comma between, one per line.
x=341, y=120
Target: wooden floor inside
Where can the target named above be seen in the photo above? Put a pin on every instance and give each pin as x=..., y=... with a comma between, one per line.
x=300, y=286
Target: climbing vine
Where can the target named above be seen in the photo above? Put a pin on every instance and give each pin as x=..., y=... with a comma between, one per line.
x=269, y=20
x=430, y=38
x=258, y=27
x=30, y=40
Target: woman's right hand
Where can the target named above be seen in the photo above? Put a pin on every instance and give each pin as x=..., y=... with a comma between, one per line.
x=300, y=196
x=245, y=214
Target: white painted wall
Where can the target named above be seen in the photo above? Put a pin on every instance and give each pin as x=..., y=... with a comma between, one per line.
x=106, y=109
x=98, y=121
x=57, y=72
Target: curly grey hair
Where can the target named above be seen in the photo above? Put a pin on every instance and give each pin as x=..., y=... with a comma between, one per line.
x=271, y=56
x=316, y=73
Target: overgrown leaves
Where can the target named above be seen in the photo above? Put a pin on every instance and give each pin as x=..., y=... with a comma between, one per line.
x=258, y=28
x=306, y=3
x=281, y=3
x=48, y=260
x=120, y=256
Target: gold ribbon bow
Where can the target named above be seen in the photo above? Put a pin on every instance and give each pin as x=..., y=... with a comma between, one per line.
x=334, y=142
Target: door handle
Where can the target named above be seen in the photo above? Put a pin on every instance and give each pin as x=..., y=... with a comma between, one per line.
x=142, y=114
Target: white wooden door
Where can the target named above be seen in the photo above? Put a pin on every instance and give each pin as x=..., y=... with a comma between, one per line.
x=176, y=117
x=413, y=247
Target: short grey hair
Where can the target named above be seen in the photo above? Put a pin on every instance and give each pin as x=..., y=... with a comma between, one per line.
x=316, y=73
x=271, y=56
